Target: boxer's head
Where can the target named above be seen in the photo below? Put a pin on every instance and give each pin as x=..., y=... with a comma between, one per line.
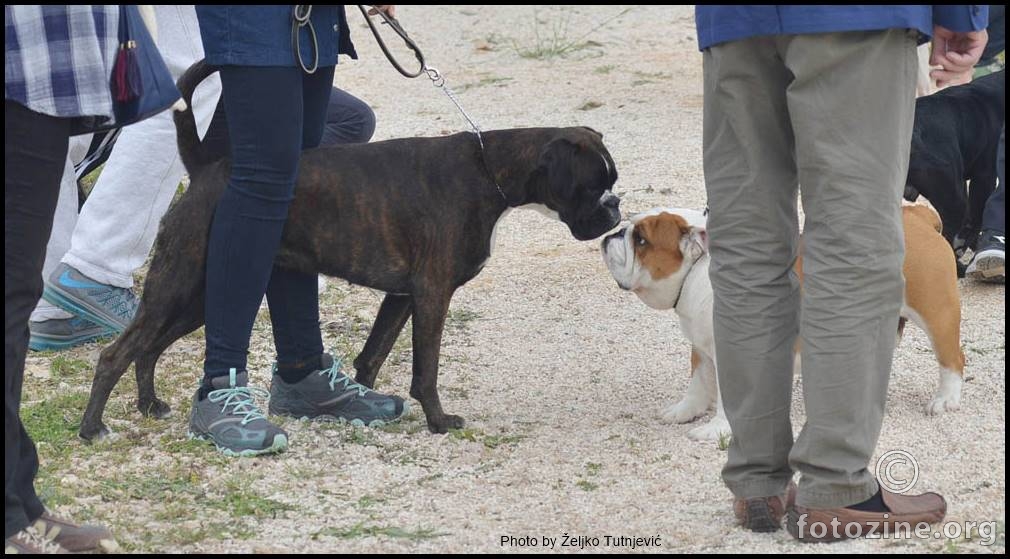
x=652, y=256
x=576, y=175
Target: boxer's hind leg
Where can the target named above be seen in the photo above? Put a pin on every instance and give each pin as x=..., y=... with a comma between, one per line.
x=392, y=316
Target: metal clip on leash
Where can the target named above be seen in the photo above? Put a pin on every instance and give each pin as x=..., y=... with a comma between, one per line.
x=301, y=17
x=437, y=79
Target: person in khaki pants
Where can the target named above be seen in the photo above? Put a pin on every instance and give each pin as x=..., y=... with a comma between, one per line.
x=817, y=101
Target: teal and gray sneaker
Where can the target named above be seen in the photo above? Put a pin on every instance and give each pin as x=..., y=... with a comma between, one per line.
x=230, y=419
x=63, y=333
x=72, y=291
x=329, y=393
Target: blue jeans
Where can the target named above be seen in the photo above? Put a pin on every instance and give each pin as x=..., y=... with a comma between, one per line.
x=273, y=114
x=994, y=218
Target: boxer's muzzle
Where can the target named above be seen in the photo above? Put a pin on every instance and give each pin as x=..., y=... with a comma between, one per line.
x=604, y=217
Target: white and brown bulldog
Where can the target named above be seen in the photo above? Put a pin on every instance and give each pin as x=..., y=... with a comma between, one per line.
x=662, y=257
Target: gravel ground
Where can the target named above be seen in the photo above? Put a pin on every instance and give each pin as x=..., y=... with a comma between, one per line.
x=559, y=374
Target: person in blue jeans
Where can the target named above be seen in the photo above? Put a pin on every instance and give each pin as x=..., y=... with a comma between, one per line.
x=989, y=262
x=276, y=66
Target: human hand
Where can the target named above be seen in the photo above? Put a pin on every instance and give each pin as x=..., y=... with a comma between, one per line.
x=956, y=53
x=389, y=10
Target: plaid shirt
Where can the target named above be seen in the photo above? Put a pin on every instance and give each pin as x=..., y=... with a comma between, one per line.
x=58, y=59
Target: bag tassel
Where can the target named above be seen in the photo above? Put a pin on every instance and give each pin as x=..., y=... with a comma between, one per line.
x=129, y=86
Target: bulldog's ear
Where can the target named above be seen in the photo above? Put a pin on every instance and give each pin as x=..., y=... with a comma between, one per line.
x=697, y=241
x=598, y=134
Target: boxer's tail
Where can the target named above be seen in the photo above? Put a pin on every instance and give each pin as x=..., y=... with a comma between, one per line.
x=190, y=146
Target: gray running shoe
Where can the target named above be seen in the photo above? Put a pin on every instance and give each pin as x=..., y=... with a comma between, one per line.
x=63, y=333
x=330, y=393
x=230, y=419
x=72, y=291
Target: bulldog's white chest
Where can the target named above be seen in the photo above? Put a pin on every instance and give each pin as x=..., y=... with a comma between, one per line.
x=695, y=308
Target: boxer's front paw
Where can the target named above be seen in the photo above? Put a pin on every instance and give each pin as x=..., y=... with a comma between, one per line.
x=684, y=411
x=95, y=434
x=714, y=430
x=445, y=423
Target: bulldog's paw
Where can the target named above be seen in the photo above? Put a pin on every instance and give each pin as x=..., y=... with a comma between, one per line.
x=948, y=394
x=714, y=430
x=445, y=423
x=943, y=403
x=684, y=411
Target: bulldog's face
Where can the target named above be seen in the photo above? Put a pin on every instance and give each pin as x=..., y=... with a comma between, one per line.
x=652, y=256
x=577, y=175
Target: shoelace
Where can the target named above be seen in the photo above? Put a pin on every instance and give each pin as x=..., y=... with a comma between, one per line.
x=122, y=301
x=337, y=377
x=242, y=400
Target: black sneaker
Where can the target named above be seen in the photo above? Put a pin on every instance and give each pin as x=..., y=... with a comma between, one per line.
x=989, y=260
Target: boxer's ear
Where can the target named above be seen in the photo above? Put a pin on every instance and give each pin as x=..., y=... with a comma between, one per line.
x=558, y=161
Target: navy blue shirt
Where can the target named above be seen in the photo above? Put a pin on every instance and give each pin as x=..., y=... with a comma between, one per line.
x=261, y=35
x=721, y=24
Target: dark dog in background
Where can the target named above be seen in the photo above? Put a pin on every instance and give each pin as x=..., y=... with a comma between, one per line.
x=954, y=143
x=413, y=217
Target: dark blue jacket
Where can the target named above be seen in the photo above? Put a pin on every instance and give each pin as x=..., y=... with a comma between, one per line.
x=721, y=24
x=261, y=35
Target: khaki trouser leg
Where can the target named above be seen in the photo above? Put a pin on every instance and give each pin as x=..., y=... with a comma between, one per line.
x=848, y=103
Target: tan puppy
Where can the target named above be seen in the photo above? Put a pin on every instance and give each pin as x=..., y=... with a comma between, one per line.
x=662, y=257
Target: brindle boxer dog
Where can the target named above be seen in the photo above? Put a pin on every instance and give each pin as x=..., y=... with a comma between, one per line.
x=413, y=217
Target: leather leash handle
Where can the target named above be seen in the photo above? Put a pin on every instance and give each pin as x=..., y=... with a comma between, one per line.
x=393, y=23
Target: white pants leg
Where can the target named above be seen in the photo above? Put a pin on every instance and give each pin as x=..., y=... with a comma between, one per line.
x=119, y=222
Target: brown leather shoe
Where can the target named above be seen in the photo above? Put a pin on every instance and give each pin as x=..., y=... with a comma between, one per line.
x=73, y=537
x=30, y=541
x=815, y=525
x=764, y=514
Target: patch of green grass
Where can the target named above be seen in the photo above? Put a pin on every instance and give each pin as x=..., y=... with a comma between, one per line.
x=55, y=421
x=653, y=76
x=213, y=531
x=466, y=434
x=459, y=318
x=176, y=484
x=88, y=182
x=494, y=441
x=405, y=426
x=483, y=82
x=360, y=530
x=556, y=41
x=360, y=436
x=724, y=440
x=63, y=366
x=587, y=485
x=240, y=501
x=367, y=501
x=592, y=468
x=605, y=69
